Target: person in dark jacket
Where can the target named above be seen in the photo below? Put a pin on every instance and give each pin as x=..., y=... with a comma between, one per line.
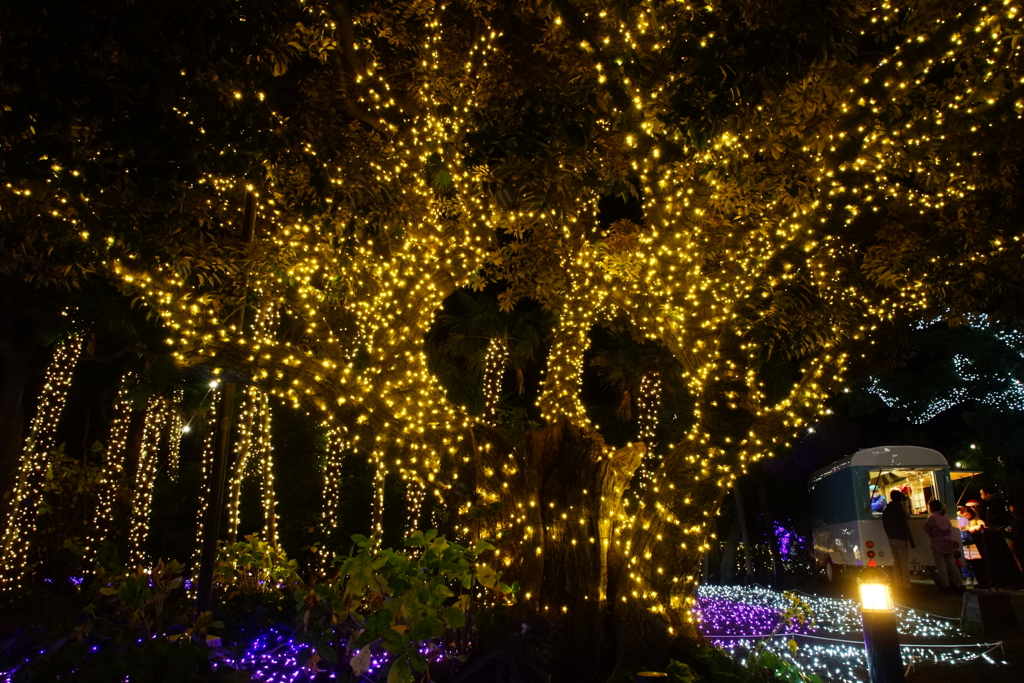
x=993, y=509
x=1017, y=532
x=894, y=521
x=997, y=539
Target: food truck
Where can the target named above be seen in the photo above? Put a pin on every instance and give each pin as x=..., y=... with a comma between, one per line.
x=847, y=499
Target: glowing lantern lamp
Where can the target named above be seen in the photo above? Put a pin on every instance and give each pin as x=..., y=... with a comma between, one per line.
x=881, y=641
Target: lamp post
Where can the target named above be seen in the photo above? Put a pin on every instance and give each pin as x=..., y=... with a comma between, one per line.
x=881, y=642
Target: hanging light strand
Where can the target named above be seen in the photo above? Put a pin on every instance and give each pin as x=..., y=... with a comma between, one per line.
x=243, y=451
x=336, y=446
x=207, y=466
x=41, y=439
x=177, y=430
x=494, y=368
x=158, y=425
x=648, y=405
x=415, y=492
x=113, y=468
x=379, y=478
x=265, y=452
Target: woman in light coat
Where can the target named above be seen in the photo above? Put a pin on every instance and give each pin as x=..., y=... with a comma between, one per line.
x=944, y=546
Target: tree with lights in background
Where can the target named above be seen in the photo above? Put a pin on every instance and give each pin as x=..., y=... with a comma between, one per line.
x=724, y=204
x=965, y=383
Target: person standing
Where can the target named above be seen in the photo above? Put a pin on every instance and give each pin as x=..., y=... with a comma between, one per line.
x=993, y=508
x=997, y=539
x=944, y=546
x=894, y=521
x=1017, y=532
x=962, y=520
x=969, y=537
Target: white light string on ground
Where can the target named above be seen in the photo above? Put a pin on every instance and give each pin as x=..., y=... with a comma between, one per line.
x=963, y=607
x=742, y=619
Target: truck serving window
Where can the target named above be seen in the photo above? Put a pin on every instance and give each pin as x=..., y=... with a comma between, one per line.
x=917, y=484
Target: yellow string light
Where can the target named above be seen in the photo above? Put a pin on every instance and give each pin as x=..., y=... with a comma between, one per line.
x=253, y=451
x=41, y=439
x=112, y=470
x=737, y=223
x=160, y=425
x=207, y=466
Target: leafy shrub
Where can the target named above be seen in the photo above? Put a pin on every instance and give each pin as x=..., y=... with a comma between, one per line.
x=69, y=489
x=374, y=612
x=397, y=604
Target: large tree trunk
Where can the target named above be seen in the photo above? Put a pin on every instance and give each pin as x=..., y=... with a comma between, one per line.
x=572, y=556
x=573, y=492
x=566, y=495
x=618, y=581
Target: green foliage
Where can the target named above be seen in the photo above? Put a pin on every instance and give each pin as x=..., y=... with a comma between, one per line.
x=138, y=626
x=252, y=566
x=681, y=673
x=978, y=361
x=769, y=666
x=373, y=602
x=69, y=490
x=138, y=597
x=708, y=665
x=122, y=657
x=396, y=602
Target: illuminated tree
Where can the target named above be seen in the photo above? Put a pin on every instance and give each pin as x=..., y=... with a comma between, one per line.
x=803, y=173
x=979, y=362
x=964, y=387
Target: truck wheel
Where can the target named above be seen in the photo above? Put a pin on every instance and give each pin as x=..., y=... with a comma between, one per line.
x=833, y=572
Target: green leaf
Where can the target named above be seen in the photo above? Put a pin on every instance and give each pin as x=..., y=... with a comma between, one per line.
x=426, y=627
x=400, y=671
x=486, y=576
x=454, y=617
x=361, y=662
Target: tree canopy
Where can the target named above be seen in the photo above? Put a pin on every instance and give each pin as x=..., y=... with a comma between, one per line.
x=753, y=189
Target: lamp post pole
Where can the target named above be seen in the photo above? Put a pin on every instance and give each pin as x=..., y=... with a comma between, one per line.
x=881, y=641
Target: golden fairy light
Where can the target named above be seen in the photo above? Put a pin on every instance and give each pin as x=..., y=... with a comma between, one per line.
x=336, y=446
x=41, y=439
x=112, y=470
x=253, y=452
x=207, y=466
x=741, y=219
x=159, y=427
